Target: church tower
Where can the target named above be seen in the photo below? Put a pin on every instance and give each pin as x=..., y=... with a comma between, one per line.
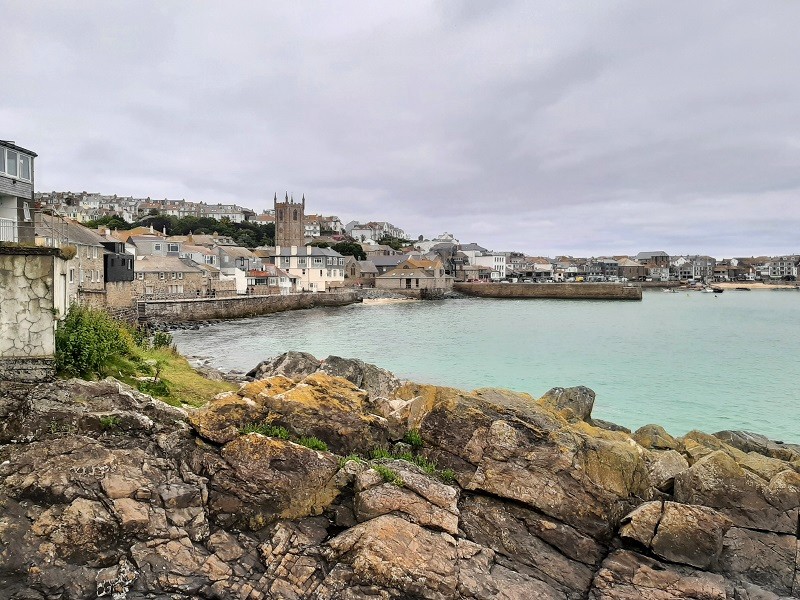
x=289, y=222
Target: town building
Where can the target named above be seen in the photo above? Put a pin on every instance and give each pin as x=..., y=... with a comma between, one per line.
x=16, y=193
x=416, y=274
x=316, y=269
x=270, y=280
x=360, y=272
x=170, y=277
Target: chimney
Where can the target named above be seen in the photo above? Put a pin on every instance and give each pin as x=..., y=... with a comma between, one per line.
x=293, y=251
x=308, y=250
x=277, y=250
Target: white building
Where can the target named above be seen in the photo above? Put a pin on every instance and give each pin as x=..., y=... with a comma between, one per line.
x=496, y=262
x=316, y=269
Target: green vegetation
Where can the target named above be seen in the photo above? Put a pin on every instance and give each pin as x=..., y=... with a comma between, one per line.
x=91, y=344
x=388, y=475
x=413, y=438
x=313, y=443
x=394, y=243
x=267, y=429
x=350, y=249
x=109, y=422
x=346, y=459
x=247, y=234
x=427, y=465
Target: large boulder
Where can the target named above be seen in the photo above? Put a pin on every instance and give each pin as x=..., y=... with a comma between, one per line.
x=626, y=575
x=655, y=437
x=578, y=401
x=769, y=560
x=747, y=441
x=257, y=480
x=294, y=365
x=413, y=495
x=508, y=445
x=719, y=482
x=319, y=405
x=679, y=533
x=379, y=384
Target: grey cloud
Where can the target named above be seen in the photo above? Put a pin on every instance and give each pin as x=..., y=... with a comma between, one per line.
x=547, y=127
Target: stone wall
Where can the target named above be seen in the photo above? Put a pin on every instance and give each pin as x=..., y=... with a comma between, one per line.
x=27, y=312
x=562, y=291
x=205, y=309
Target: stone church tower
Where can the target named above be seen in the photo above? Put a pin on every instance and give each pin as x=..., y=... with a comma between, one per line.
x=289, y=222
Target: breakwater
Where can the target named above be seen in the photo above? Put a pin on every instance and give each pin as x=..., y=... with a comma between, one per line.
x=561, y=291
x=207, y=309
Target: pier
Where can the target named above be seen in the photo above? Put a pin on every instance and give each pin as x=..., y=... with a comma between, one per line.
x=555, y=291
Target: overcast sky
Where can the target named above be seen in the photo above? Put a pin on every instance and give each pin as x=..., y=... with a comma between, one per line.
x=557, y=127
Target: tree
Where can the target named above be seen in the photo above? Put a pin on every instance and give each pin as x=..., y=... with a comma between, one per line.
x=350, y=249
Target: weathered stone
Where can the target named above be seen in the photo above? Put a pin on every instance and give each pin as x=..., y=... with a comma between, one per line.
x=717, y=481
x=690, y=535
x=627, y=575
x=378, y=383
x=640, y=525
x=655, y=437
x=541, y=548
x=294, y=365
x=662, y=468
x=765, y=559
x=266, y=479
x=747, y=441
x=394, y=553
x=578, y=400
x=133, y=516
x=421, y=499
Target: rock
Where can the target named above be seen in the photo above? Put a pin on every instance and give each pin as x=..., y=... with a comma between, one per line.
x=609, y=426
x=662, y=467
x=578, y=400
x=543, y=549
x=691, y=535
x=420, y=499
x=747, y=441
x=640, y=525
x=626, y=575
x=393, y=553
x=768, y=560
x=717, y=481
x=655, y=437
x=378, y=383
x=507, y=445
x=294, y=365
x=263, y=479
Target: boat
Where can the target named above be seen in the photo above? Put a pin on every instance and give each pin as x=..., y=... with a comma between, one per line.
x=717, y=290
x=707, y=290
x=743, y=289
x=670, y=291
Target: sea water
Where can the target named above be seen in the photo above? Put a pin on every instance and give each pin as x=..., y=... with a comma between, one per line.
x=685, y=361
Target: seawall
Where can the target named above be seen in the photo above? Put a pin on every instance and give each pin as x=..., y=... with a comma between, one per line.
x=205, y=309
x=560, y=291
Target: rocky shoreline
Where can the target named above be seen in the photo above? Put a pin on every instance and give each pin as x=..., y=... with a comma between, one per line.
x=333, y=480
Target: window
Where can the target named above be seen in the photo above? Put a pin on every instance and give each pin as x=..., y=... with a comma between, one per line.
x=320, y=272
x=205, y=274
x=174, y=275
x=301, y=262
x=180, y=275
x=11, y=163
x=157, y=247
x=140, y=276
x=318, y=261
x=172, y=247
x=295, y=215
x=161, y=275
x=97, y=275
x=26, y=210
x=72, y=275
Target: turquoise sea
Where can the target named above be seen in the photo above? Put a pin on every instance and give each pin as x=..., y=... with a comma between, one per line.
x=685, y=361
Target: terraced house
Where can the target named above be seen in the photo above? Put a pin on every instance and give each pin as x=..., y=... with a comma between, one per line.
x=16, y=193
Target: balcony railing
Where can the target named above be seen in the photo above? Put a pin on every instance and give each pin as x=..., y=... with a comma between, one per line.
x=8, y=230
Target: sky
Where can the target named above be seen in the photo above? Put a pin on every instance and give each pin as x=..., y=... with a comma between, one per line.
x=585, y=128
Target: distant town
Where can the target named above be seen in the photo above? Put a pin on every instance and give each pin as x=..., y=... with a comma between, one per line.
x=128, y=249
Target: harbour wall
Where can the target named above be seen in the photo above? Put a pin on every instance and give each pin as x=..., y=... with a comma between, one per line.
x=560, y=291
x=208, y=309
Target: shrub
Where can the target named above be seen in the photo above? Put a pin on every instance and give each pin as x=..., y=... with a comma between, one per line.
x=153, y=388
x=87, y=339
x=162, y=339
x=447, y=475
x=346, y=459
x=413, y=438
x=313, y=443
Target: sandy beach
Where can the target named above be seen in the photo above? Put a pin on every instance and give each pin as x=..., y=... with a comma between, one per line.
x=378, y=301
x=757, y=285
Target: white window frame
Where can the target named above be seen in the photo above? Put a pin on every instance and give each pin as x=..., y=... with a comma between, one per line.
x=180, y=275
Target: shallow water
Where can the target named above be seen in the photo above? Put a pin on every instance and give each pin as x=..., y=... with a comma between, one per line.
x=685, y=361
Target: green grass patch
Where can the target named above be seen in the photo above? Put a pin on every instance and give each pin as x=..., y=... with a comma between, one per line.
x=314, y=443
x=413, y=438
x=266, y=429
x=109, y=422
x=388, y=475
